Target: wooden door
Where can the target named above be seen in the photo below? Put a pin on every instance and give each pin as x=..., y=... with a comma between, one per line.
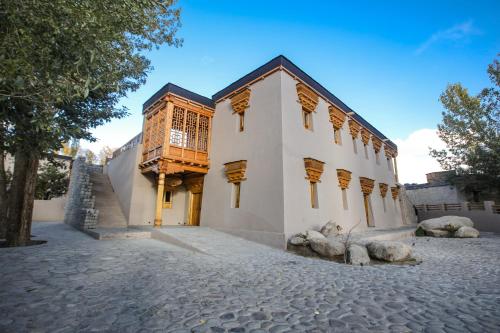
x=195, y=209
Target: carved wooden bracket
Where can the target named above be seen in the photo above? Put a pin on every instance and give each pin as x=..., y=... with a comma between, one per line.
x=344, y=177
x=377, y=144
x=314, y=169
x=389, y=152
x=354, y=128
x=337, y=117
x=383, y=189
x=367, y=185
x=365, y=136
x=395, y=192
x=194, y=184
x=235, y=171
x=307, y=97
x=240, y=101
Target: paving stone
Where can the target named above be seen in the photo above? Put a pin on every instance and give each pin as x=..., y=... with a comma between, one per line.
x=74, y=283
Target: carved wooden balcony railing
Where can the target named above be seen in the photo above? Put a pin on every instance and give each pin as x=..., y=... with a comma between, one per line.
x=176, y=132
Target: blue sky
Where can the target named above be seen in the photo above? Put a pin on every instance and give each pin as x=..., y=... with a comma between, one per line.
x=388, y=60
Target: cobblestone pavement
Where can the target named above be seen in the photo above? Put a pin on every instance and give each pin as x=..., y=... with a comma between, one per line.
x=74, y=283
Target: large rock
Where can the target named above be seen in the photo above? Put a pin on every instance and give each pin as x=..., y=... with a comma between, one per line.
x=389, y=250
x=330, y=229
x=466, y=232
x=449, y=223
x=327, y=247
x=312, y=234
x=357, y=255
x=437, y=233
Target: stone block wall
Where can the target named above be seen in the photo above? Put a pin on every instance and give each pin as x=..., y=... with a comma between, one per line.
x=80, y=209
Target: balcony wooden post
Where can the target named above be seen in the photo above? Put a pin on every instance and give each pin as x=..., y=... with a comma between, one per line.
x=159, y=199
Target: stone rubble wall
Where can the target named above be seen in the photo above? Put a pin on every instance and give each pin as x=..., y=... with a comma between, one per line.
x=80, y=209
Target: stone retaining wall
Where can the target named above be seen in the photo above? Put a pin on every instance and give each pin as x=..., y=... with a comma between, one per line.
x=80, y=209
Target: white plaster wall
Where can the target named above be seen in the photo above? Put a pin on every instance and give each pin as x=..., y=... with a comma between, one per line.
x=260, y=216
x=136, y=192
x=435, y=195
x=299, y=143
x=178, y=214
x=49, y=210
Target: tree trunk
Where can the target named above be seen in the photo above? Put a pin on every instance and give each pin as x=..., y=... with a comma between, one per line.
x=21, y=198
x=3, y=197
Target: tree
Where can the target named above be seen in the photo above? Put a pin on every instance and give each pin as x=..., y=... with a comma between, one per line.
x=71, y=148
x=90, y=156
x=105, y=153
x=471, y=131
x=63, y=67
x=51, y=182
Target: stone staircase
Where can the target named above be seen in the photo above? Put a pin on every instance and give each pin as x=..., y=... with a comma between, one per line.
x=106, y=201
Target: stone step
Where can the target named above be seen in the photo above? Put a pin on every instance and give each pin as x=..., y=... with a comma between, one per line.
x=106, y=201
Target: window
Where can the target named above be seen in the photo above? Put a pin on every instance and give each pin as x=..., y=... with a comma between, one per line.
x=389, y=164
x=337, y=136
x=354, y=145
x=383, y=203
x=189, y=130
x=344, y=199
x=307, y=118
x=167, y=199
x=236, y=195
x=366, y=151
x=377, y=158
x=241, y=121
x=313, y=189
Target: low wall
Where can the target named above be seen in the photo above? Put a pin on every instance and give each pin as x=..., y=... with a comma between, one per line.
x=486, y=216
x=49, y=210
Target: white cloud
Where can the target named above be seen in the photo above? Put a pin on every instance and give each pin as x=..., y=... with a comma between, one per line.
x=456, y=33
x=413, y=155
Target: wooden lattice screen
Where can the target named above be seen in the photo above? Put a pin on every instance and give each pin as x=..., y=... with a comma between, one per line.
x=185, y=131
x=154, y=133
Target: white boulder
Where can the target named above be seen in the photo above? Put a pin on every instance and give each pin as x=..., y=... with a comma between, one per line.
x=466, y=232
x=313, y=234
x=330, y=229
x=296, y=240
x=450, y=223
x=327, y=247
x=389, y=250
x=357, y=255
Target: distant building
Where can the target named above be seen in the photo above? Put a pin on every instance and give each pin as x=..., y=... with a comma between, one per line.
x=437, y=190
x=273, y=154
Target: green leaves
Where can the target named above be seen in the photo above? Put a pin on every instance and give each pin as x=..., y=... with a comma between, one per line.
x=471, y=131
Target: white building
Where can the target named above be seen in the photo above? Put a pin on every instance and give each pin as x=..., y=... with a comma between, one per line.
x=272, y=154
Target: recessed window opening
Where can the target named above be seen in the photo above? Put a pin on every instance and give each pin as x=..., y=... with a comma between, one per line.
x=377, y=158
x=366, y=151
x=337, y=136
x=313, y=189
x=344, y=199
x=307, y=119
x=354, y=145
x=241, y=119
x=167, y=199
x=236, y=195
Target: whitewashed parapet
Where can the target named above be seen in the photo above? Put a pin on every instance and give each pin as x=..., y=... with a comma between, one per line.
x=80, y=209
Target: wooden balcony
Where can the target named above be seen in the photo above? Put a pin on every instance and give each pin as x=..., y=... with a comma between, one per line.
x=176, y=137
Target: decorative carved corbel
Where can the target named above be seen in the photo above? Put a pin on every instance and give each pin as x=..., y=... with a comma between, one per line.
x=240, y=101
x=344, y=177
x=235, y=171
x=354, y=128
x=365, y=136
x=377, y=144
x=337, y=117
x=314, y=169
x=389, y=151
x=307, y=97
x=367, y=185
x=394, y=192
x=383, y=189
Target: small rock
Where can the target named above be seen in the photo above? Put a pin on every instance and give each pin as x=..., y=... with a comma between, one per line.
x=330, y=229
x=312, y=234
x=297, y=241
x=327, y=247
x=357, y=255
x=466, y=232
x=437, y=233
x=389, y=250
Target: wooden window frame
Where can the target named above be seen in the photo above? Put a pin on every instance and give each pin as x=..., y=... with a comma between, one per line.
x=236, y=194
x=307, y=119
x=165, y=203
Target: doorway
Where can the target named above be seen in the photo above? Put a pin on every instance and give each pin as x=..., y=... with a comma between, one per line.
x=194, y=209
x=368, y=210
